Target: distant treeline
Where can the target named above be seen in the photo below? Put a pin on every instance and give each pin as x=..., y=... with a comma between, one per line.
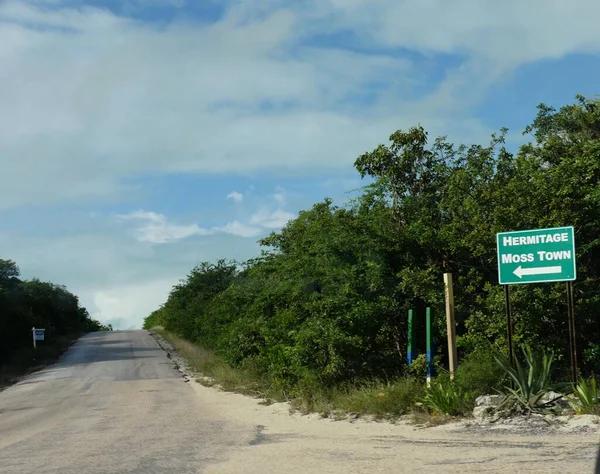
x=32, y=303
x=327, y=299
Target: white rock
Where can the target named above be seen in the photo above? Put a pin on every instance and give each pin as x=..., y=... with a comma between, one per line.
x=482, y=412
x=557, y=399
x=488, y=400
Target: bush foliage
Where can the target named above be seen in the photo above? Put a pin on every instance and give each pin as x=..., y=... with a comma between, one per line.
x=26, y=304
x=325, y=303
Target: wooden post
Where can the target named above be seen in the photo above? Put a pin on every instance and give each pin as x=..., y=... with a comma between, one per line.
x=450, y=324
x=33, y=332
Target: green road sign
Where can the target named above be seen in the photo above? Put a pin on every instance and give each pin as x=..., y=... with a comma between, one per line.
x=536, y=256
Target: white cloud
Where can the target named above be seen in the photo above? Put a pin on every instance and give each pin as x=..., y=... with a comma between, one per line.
x=509, y=32
x=271, y=220
x=135, y=5
x=240, y=229
x=155, y=228
x=81, y=113
x=37, y=15
x=128, y=305
x=259, y=223
x=279, y=196
x=92, y=100
x=237, y=197
x=118, y=279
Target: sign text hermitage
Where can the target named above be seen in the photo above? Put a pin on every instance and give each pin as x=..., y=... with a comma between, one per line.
x=536, y=256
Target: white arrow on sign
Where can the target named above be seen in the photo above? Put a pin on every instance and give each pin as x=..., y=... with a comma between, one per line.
x=536, y=271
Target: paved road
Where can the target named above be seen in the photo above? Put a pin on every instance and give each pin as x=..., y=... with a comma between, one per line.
x=114, y=403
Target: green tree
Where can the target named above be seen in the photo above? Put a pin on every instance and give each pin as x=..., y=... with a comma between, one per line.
x=326, y=300
x=8, y=270
x=25, y=304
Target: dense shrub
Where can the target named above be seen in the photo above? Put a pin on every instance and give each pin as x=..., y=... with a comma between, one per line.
x=326, y=302
x=27, y=304
x=479, y=373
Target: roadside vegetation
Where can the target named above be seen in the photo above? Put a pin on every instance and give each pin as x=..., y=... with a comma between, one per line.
x=586, y=398
x=25, y=304
x=319, y=317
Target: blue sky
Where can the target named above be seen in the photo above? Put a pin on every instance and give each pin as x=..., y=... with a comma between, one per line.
x=140, y=137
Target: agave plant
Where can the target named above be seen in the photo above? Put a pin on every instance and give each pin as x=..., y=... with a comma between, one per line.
x=531, y=382
x=587, y=397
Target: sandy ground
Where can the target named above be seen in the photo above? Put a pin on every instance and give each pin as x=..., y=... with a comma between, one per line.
x=116, y=404
x=292, y=443
x=301, y=444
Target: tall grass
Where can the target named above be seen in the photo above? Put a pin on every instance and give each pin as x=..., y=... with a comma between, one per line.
x=389, y=400
x=375, y=398
x=213, y=370
x=445, y=398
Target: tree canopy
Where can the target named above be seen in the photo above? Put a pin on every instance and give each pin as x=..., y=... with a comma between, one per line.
x=32, y=303
x=326, y=300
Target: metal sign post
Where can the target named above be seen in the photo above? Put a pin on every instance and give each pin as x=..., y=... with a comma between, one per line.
x=430, y=347
x=539, y=256
x=536, y=256
x=572, y=335
x=38, y=335
x=411, y=347
x=509, y=324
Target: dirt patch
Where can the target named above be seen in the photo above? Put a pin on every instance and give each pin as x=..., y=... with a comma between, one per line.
x=287, y=441
x=532, y=425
